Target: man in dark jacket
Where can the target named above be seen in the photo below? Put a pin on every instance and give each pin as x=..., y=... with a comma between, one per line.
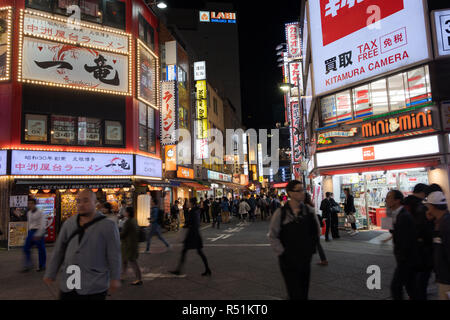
x=438, y=211
x=424, y=239
x=206, y=205
x=252, y=203
x=404, y=238
x=325, y=206
x=294, y=234
x=217, y=218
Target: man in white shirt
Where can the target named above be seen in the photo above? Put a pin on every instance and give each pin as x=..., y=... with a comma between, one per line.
x=36, y=236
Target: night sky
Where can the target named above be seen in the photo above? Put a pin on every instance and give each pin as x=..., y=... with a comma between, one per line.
x=261, y=29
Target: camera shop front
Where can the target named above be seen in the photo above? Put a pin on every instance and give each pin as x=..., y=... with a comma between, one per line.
x=372, y=156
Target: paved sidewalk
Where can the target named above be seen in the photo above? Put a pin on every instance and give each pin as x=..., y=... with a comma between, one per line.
x=243, y=267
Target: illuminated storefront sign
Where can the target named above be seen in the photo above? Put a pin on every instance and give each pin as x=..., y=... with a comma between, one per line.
x=293, y=40
x=171, y=158
x=296, y=132
x=218, y=17
x=213, y=175
x=199, y=70
x=295, y=78
x=201, y=149
x=168, y=112
x=3, y=162
x=93, y=58
x=355, y=40
x=185, y=173
x=383, y=151
x=148, y=167
x=412, y=121
x=5, y=43
x=70, y=163
x=202, y=109
x=260, y=163
x=441, y=26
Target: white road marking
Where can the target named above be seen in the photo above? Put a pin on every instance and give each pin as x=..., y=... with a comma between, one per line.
x=153, y=276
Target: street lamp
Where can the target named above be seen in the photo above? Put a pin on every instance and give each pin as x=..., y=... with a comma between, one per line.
x=159, y=4
x=285, y=87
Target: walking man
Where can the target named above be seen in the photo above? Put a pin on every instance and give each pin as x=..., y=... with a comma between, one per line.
x=36, y=235
x=293, y=235
x=90, y=243
x=156, y=220
x=404, y=238
x=325, y=206
x=438, y=211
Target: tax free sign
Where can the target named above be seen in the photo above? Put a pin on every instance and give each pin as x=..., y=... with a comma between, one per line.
x=353, y=40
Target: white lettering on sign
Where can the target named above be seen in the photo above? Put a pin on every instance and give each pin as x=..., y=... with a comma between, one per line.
x=333, y=6
x=74, y=280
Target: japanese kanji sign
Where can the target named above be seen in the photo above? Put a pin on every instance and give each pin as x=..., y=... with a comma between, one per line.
x=293, y=40
x=296, y=131
x=354, y=40
x=70, y=163
x=168, y=112
x=295, y=77
x=40, y=26
x=75, y=66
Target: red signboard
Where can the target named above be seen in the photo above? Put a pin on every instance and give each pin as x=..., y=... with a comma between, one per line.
x=368, y=153
x=343, y=17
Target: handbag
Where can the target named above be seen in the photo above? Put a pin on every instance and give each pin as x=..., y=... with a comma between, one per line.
x=351, y=218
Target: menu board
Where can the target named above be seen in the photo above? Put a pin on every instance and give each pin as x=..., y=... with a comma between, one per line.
x=17, y=234
x=63, y=130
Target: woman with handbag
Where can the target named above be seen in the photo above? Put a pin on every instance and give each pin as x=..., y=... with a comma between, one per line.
x=349, y=209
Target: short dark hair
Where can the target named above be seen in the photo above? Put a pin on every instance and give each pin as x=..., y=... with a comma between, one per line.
x=155, y=200
x=193, y=201
x=177, y=202
x=398, y=195
x=327, y=194
x=123, y=202
x=292, y=184
x=433, y=188
x=308, y=199
x=130, y=212
x=420, y=187
x=107, y=206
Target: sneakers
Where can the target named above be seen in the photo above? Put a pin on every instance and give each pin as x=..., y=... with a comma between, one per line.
x=40, y=269
x=354, y=233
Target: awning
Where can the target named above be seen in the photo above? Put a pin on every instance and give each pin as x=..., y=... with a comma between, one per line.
x=74, y=184
x=195, y=185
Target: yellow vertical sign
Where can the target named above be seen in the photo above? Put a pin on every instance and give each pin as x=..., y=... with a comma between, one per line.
x=202, y=107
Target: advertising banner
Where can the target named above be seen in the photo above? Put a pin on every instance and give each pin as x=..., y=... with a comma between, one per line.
x=148, y=167
x=171, y=158
x=70, y=163
x=214, y=175
x=147, y=68
x=295, y=78
x=293, y=40
x=201, y=149
x=168, y=112
x=296, y=138
x=66, y=65
x=356, y=40
x=185, y=173
x=5, y=43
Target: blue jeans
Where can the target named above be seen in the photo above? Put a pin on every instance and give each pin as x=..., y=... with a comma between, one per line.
x=40, y=243
x=155, y=229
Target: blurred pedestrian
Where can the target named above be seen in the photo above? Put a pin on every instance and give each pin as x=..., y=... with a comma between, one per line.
x=193, y=238
x=293, y=235
x=107, y=211
x=216, y=213
x=310, y=205
x=436, y=204
x=244, y=208
x=130, y=245
x=90, y=242
x=207, y=207
x=350, y=211
x=121, y=214
x=335, y=209
x=252, y=203
x=202, y=210
x=156, y=220
x=37, y=222
x=424, y=239
x=404, y=239
x=225, y=206
x=175, y=214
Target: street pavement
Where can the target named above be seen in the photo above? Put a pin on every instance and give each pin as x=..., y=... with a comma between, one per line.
x=243, y=266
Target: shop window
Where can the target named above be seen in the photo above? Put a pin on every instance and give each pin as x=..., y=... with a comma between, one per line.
x=183, y=118
x=90, y=9
x=344, y=106
x=151, y=130
x=328, y=107
x=44, y=5
x=35, y=127
x=397, y=99
x=142, y=138
x=146, y=33
x=379, y=97
x=89, y=131
x=114, y=14
x=113, y=133
x=361, y=101
x=62, y=129
x=418, y=88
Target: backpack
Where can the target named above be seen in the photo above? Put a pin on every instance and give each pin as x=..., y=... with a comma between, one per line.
x=160, y=218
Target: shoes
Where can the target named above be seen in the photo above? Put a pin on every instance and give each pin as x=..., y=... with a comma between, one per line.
x=136, y=283
x=207, y=273
x=354, y=233
x=25, y=270
x=40, y=269
x=175, y=272
x=323, y=263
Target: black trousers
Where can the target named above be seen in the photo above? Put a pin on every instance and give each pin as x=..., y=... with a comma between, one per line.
x=404, y=276
x=322, y=255
x=328, y=227
x=183, y=259
x=296, y=279
x=421, y=284
x=334, y=226
x=73, y=295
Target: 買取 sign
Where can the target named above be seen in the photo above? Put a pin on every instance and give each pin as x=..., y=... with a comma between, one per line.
x=353, y=40
x=441, y=19
x=70, y=163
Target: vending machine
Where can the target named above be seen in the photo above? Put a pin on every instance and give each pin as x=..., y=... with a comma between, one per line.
x=46, y=204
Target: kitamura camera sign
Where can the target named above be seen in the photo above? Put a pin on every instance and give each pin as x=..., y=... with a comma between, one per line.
x=353, y=40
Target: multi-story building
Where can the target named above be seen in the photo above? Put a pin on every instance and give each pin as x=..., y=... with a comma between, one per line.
x=375, y=101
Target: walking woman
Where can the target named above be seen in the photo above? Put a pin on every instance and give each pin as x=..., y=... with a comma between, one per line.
x=349, y=209
x=323, y=258
x=244, y=208
x=193, y=239
x=130, y=245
